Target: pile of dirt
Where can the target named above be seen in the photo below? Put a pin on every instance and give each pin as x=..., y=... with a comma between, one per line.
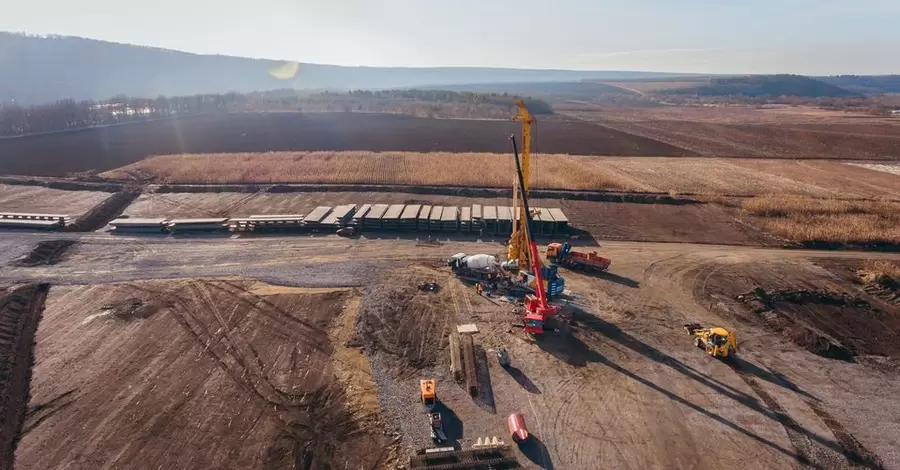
x=20, y=312
x=881, y=280
x=46, y=253
x=830, y=324
x=408, y=324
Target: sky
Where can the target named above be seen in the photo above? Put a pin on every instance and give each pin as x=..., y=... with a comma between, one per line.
x=812, y=37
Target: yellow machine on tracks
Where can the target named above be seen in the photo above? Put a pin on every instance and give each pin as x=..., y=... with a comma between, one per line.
x=716, y=341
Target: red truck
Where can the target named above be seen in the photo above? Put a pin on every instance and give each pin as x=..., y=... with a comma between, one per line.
x=563, y=255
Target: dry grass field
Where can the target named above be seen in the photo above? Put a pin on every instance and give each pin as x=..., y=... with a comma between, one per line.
x=805, y=219
x=408, y=168
x=741, y=177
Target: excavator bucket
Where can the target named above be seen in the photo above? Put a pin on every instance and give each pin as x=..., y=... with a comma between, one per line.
x=692, y=328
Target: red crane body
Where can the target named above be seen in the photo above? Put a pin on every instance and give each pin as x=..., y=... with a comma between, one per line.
x=537, y=310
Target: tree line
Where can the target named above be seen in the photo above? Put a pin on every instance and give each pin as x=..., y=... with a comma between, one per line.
x=70, y=114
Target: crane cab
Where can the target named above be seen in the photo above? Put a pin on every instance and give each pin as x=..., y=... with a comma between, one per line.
x=429, y=394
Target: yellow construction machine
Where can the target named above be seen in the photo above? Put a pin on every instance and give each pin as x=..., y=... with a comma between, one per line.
x=716, y=341
x=429, y=394
x=518, y=241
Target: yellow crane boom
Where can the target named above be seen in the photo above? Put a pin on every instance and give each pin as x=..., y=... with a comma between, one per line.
x=518, y=241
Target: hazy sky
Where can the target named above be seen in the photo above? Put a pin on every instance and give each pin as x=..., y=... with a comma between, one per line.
x=816, y=37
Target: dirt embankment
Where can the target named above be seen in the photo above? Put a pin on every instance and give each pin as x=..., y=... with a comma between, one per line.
x=601, y=196
x=20, y=313
x=833, y=322
x=46, y=253
x=101, y=214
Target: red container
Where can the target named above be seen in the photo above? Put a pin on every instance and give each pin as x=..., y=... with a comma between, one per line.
x=517, y=428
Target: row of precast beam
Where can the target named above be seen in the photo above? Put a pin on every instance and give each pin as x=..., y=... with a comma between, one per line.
x=477, y=218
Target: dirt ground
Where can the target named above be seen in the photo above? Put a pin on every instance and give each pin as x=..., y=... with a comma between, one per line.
x=620, y=386
x=761, y=133
x=105, y=148
x=239, y=373
x=16, y=198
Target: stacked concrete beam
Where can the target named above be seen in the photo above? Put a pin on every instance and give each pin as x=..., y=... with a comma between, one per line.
x=314, y=219
x=490, y=220
x=373, y=218
x=450, y=219
x=358, y=219
x=269, y=223
x=340, y=216
x=409, y=219
x=212, y=224
x=139, y=225
x=477, y=219
x=465, y=219
x=560, y=221
x=391, y=218
x=424, y=218
x=32, y=224
x=504, y=220
x=434, y=221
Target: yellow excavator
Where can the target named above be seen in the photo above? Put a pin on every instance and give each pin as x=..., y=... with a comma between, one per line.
x=716, y=341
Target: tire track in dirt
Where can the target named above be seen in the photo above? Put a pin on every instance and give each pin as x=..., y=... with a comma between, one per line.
x=812, y=450
x=854, y=451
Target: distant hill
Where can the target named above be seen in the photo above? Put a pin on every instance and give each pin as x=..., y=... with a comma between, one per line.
x=765, y=85
x=41, y=69
x=567, y=90
x=869, y=84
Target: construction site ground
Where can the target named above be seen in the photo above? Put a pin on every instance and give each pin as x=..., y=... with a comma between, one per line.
x=38, y=199
x=184, y=352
